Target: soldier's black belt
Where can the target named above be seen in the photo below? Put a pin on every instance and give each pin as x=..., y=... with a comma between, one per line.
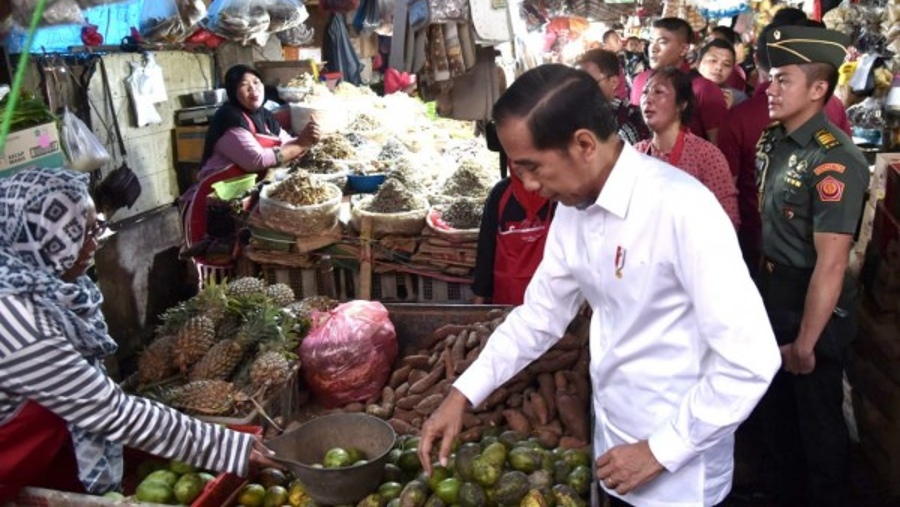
x=783, y=288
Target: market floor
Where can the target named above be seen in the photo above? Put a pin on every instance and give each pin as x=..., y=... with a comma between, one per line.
x=863, y=487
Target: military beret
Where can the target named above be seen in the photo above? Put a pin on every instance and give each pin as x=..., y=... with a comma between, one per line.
x=794, y=45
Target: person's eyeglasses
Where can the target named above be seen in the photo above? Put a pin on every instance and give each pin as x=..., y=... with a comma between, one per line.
x=99, y=229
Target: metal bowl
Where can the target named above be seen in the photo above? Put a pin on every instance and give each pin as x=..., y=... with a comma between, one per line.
x=299, y=449
x=209, y=97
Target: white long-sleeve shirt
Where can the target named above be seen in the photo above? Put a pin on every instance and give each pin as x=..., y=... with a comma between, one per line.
x=681, y=347
x=38, y=363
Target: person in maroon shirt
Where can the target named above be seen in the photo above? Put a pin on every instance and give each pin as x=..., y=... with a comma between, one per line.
x=738, y=78
x=670, y=41
x=740, y=132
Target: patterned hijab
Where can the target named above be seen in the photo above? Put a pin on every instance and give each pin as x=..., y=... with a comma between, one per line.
x=43, y=216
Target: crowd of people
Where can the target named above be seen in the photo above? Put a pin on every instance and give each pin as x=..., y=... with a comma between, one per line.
x=715, y=297
x=702, y=208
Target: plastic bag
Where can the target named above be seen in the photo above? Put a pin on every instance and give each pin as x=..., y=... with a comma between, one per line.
x=170, y=20
x=301, y=35
x=285, y=14
x=243, y=21
x=348, y=355
x=140, y=88
x=85, y=151
x=368, y=17
x=338, y=51
x=56, y=12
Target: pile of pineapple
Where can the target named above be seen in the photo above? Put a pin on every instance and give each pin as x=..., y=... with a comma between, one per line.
x=224, y=351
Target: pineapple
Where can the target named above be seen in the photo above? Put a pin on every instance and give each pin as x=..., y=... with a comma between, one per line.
x=211, y=302
x=219, y=363
x=246, y=286
x=193, y=341
x=281, y=294
x=155, y=363
x=269, y=369
x=208, y=397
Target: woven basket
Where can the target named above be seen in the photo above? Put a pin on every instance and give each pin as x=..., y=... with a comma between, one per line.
x=452, y=235
x=300, y=220
x=409, y=223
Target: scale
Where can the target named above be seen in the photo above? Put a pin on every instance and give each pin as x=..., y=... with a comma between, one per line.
x=200, y=115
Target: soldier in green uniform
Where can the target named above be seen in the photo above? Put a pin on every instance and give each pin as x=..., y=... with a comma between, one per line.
x=812, y=181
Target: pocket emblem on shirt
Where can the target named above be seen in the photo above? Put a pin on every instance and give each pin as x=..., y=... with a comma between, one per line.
x=830, y=190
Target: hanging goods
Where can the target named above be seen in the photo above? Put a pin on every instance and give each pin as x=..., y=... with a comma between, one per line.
x=120, y=188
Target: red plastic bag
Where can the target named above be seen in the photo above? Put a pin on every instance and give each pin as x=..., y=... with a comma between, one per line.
x=348, y=355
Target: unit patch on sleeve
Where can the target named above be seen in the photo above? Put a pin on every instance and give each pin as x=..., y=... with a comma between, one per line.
x=824, y=168
x=830, y=190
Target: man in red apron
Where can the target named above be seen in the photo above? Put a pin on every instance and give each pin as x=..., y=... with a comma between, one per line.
x=514, y=229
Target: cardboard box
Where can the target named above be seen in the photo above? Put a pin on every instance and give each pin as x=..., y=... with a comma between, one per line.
x=38, y=145
x=189, y=142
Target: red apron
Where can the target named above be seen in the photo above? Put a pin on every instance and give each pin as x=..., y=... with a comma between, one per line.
x=519, y=251
x=195, y=212
x=36, y=450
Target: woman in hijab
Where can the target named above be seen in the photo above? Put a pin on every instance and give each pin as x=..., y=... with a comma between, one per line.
x=243, y=137
x=63, y=421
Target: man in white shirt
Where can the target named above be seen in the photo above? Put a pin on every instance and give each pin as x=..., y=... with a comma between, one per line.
x=681, y=348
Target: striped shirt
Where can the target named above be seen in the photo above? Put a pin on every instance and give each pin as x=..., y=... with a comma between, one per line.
x=38, y=363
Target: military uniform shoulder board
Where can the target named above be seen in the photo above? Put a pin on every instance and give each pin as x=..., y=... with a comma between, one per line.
x=825, y=138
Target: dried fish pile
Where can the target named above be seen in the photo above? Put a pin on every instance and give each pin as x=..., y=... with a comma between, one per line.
x=392, y=150
x=404, y=172
x=393, y=197
x=299, y=189
x=304, y=80
x=365, y=122
x=463, y=214
x=334, y=146
x=321, y=165
x=469, y=180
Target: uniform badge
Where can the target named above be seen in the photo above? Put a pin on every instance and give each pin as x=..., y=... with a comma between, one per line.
x=827, y=139
x=824, y=168
x=620, y=261
x=776, y=35
x=793, y=160
x=830, y=190
x=801, y=167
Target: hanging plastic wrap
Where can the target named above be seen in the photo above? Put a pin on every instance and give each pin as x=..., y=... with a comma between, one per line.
x=368, y=17
x=302, y=35
x=56, y=12
x=241, y=21
x=285, y=14
x=442, y=11
x=717, y=9
x=140, y=88
x=337, y=50
x=86, y=152
x=170, y=20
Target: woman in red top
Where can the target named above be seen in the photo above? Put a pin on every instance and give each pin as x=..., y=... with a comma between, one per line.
x=667, y=105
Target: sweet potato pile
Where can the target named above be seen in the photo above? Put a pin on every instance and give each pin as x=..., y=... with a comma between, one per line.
x=549, y=399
